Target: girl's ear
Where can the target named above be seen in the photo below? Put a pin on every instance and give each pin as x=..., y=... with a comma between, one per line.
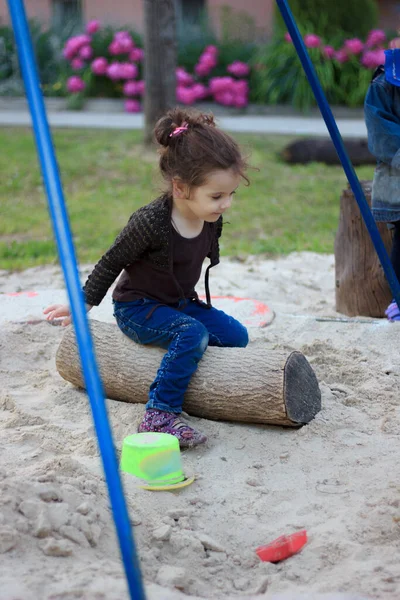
x=180, y=189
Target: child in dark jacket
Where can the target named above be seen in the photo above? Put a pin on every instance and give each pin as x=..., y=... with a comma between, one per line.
x=160, y=254
x=382, y=117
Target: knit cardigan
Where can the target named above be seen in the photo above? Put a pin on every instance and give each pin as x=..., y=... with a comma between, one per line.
x=147, y=236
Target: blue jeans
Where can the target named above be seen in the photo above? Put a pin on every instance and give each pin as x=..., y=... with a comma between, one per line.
x=185, y=332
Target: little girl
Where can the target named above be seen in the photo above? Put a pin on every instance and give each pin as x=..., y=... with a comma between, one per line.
x=160, y=254
x=382, y=118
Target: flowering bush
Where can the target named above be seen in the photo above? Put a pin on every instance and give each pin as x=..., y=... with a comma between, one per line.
x=104, y=63
x=228, y=90
x=354, y=18
x=115, y=69
x=344, y=69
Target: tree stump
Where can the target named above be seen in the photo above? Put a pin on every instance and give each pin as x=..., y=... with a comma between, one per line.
x=251, y=385
x=361, y=286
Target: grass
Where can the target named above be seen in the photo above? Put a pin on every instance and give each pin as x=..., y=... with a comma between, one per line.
x=107, y=175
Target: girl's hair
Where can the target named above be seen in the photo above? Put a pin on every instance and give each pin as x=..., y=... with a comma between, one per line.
x=195, y=150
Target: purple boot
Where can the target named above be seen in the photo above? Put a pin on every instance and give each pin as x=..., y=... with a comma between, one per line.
x=392, y=312
x=166, y=422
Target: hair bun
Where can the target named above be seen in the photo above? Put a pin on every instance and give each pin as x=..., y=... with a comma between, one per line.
x=179, y=117
x=208, y=119
x=164, y=127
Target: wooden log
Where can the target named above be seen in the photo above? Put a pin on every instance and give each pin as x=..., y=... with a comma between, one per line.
x=306, y=150
x=361, y=286
x=253, y=384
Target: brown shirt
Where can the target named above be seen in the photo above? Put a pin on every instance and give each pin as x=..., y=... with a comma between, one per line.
x=147, y=237
x=145, y=280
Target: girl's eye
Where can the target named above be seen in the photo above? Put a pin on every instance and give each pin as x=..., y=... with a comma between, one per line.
x=220, y=196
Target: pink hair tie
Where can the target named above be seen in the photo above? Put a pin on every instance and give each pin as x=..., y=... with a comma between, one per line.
x=178, y=130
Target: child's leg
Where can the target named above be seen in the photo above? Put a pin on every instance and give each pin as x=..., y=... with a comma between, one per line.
x=223, y=330
x=395, y=253
x=185, y=339
x=393, y=312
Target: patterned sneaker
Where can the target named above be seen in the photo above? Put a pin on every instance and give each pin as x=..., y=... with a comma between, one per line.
x=392, y=312
x=166, y=422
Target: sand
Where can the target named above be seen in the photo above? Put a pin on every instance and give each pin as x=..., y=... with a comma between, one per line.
x=338, y=477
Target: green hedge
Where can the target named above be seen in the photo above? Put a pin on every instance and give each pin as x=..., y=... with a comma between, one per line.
x=353, y=18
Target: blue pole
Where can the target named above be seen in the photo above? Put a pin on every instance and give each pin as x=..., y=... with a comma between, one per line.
x=68, y=261
x=340, y=149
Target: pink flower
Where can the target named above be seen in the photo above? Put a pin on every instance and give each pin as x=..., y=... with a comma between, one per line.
x=130, y=88
x=132, y=106
x=92, y=27
x=121, y=34
x=207, y=61
x=136, y=54
x=209, y=58
x=77, y=63
x=86, y=52
x=128, y=71
x=74, y=44
x=114, y=71
x=99, y=66
x=375, y=37
x=125, y=43
x=241, y=87
x=380, y=56
x=220, y=84
x=240, y=101
x=312, y=41
x=288, y=37
x=121, y=44
x=200, y=91
x=353, y=46
x=83, y=39
x=328, y=51
x=185, y=95
x=75, y=84
x=225, y=98
x=229, y=91
x=117, y=70
x=141, y=87
x=80, y=40
x=68, y=52
x=115, y=48
x=240, y=69
x=341, y=56
x=202, y=69
x=71, y=47
x=183, y=77
x=206, y=64
x=373, y=58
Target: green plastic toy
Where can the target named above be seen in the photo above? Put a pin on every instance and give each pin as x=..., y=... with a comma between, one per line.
x=154, y=458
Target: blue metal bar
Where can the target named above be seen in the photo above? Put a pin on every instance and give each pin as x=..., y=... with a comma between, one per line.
x=68, y=261
x=340, y=149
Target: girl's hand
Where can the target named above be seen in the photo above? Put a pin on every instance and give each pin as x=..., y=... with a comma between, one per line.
x=57, y=311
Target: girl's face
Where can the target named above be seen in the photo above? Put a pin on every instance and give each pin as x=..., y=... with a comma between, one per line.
x=209, y=201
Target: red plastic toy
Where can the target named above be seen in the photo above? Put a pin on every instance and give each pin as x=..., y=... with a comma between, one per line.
x=282, y=547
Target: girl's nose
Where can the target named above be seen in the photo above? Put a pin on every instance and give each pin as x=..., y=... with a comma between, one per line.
x=227, y=203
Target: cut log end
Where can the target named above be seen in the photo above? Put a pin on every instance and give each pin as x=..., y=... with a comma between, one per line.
x=301, y=389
